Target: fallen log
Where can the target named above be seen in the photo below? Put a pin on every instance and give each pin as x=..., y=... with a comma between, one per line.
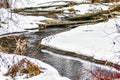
x=70, y=3
x=55, y=23
x=88, y=15
x=84, y=57
x=37, y=11
x=67, y=4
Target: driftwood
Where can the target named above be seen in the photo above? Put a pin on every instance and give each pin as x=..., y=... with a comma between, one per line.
x=84, y=57
x=55, y=23
x=37, y=11
x=68, y=4
x=42, y=8
x=34, y=9
x=104, y=1
x=80, y=19
x=88, y=15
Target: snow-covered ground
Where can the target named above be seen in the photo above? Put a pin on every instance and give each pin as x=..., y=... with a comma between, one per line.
x=11, y=22
x=49, y=73
x=101, y=41
x=33, y=3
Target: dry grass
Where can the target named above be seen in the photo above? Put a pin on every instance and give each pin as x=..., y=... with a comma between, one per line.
x=2, y=49
x=13, y=44
x=21, y=46
x=24, y=66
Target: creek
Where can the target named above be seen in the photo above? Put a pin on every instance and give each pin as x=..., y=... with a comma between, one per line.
x=71, y=67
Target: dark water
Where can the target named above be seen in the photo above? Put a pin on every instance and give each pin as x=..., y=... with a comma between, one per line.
x=73, y=68
x=66, y=67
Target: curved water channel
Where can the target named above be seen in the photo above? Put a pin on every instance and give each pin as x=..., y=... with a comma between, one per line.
x=73, y=68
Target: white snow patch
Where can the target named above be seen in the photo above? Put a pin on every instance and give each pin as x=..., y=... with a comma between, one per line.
x=34, y=3
x=49, y=73
x=11, y=22
x=100, y=41
x=89, y=8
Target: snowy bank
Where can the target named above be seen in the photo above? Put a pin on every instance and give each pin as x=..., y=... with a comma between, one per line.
x=100, y=41
x=34, y=3
x=11, y=22
x=7, y=60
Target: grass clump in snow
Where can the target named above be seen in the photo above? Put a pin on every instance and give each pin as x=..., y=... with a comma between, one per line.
x=24, y=66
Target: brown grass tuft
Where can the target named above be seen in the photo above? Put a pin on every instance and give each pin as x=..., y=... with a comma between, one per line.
x=24, y=66
x=21, y=46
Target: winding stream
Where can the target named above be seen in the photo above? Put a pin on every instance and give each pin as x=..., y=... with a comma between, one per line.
x=73, y=68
